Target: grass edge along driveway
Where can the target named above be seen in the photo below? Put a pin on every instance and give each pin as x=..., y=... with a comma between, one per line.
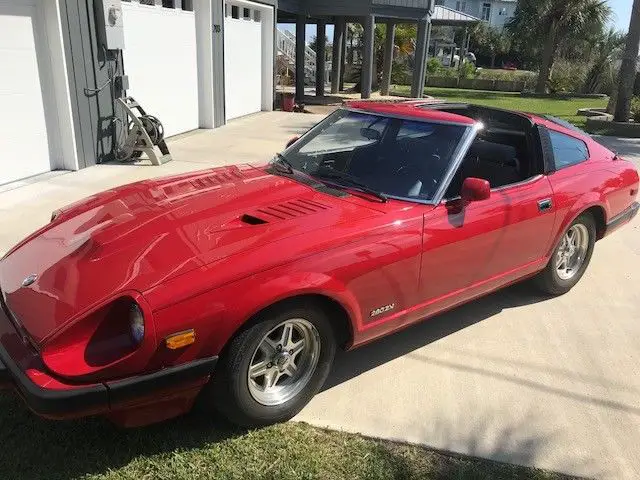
x=198, y=447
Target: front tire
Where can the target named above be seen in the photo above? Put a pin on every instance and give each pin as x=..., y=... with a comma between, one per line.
x=273, y=368
x=570, y=258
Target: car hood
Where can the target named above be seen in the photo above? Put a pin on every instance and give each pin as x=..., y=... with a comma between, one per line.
x=136, y=236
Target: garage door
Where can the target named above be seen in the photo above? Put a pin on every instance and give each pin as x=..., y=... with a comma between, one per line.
x=243, y=53
x=161, y=61
x=24, y=89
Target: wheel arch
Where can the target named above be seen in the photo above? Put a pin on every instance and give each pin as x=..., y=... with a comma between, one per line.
x=599, y=216
x=594, y=207
x=335, y=310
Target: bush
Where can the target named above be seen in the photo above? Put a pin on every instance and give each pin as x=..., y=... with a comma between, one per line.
x=509, y=75
x=468, y=70
x=635, y=109
x=433, y=66
x=567, y=76
x=400, y=74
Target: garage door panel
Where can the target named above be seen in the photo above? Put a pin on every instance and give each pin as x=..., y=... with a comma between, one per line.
x=24, y=143
x=242, y=67
x=160, y=60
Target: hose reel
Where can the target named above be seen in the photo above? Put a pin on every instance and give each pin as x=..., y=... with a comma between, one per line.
x=144, y=132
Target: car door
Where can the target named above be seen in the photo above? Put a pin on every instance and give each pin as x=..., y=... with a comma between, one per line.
x=474, y=248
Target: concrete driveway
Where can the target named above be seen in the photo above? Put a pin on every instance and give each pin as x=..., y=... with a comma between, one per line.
x=552, y=383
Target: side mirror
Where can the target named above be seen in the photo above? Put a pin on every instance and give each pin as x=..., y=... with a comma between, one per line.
x=291, y=141
x=474, y=190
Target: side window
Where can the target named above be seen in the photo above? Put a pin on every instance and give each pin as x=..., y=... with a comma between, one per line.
x=567, y=150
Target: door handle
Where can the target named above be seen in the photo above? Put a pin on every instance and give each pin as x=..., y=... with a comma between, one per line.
x=545, y=204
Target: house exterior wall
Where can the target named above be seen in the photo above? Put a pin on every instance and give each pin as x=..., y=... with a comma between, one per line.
x=88, y=68
x=501, y=10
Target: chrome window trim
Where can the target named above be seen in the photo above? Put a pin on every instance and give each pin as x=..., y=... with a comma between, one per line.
x=535, y=178
x=517, y=184
x=458, y=156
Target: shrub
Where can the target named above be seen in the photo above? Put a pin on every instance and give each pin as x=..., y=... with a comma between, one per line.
x=400, y=74
x=468, y=70
x=567, y=76
x=433, y=65
x=635, y=109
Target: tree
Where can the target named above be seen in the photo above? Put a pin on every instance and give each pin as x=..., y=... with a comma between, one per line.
x=552, y=22
x=490, y=41
x=604, y=51
x=313, y=45
x=627, y=74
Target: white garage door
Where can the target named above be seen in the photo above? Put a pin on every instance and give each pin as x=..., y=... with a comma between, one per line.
x=24, y=92
x=243, y=53
x=161, y=62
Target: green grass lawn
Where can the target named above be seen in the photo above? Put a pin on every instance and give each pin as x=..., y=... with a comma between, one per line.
x=198, y=447
x=565, y=109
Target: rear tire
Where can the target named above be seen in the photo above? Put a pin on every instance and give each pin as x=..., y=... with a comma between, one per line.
x=570, y=257
x=274, y=367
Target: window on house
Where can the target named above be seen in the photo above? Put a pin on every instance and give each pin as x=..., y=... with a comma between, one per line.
x=187, y=5
x=246, y=13
x=147, y=2
x=235, y=11
x=167, y=3
x=486, y=12
x=439, y=2
x=256, y=15
x=461, y=6
x=567, y=150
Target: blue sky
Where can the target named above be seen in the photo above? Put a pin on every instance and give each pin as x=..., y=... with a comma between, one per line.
x=621, y=15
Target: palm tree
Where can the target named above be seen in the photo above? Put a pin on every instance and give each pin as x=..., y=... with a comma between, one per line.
x=550, y=22
x=628, y=68
x=606, y=49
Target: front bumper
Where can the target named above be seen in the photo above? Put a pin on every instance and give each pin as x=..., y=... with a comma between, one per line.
x=622, y=218
x=22, y=369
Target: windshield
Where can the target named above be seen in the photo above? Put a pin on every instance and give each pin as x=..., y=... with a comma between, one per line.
x=396, y=157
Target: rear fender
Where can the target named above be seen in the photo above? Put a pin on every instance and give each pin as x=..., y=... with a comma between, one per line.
x=581, y=204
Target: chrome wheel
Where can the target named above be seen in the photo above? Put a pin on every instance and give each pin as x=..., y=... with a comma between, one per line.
x=284, y=362
x=572, y=251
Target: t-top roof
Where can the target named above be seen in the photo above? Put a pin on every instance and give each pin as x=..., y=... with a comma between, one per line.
x=410, y=110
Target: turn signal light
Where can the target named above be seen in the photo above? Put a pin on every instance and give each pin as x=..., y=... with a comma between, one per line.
x=181, y=339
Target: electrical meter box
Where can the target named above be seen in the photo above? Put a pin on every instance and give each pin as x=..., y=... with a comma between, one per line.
x=109, y=23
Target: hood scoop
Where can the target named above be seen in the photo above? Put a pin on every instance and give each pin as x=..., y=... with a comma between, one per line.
x=284, y=211
x=211, y=181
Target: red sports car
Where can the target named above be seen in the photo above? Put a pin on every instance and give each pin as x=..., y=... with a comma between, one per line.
x=239, y=283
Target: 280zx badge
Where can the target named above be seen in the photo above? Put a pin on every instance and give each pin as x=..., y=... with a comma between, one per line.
x=385, y=308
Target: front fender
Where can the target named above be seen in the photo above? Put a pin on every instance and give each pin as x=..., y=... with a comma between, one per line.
x=217, y=315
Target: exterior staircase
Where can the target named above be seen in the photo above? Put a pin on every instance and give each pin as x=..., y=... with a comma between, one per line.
x=286, y=42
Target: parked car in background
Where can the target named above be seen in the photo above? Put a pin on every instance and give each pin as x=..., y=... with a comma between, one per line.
x=239, y=283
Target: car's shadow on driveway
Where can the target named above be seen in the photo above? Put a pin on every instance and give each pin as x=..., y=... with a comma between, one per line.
x=351, y=364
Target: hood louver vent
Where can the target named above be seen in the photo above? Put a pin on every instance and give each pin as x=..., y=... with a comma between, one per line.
x=204, y=182
x=284, y=211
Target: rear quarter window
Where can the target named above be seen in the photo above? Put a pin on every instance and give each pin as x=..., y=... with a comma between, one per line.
x=567, y=150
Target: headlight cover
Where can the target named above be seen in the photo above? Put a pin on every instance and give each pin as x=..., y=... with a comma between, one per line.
x=136, y=324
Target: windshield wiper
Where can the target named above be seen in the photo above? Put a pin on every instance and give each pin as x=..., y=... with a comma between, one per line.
x=346, y=180
x=283, y=163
